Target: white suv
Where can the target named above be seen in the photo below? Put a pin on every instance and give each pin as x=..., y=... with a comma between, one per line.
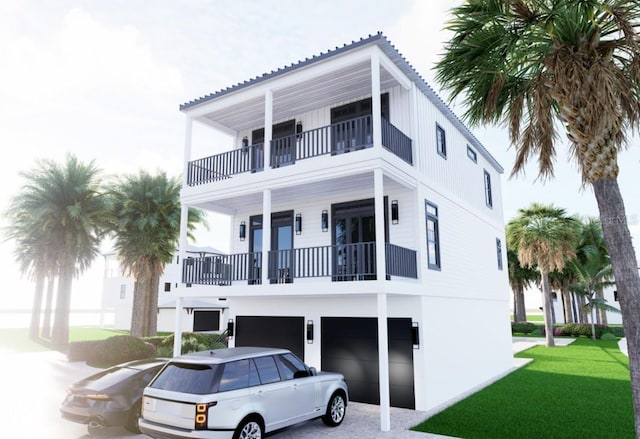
x=239, y=393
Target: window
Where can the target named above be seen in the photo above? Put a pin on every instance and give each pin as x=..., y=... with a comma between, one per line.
x=488, y=198
x=235, y=376
x=472, y=154
x=499, y=253
x=167, y=287
x=433, y=237
x=615, y=295
x=290, y=366
x=267, y=369
x=123, y=292
x=198, y=379
x=441, y=141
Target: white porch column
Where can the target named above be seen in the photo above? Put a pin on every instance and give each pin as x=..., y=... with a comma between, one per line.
x=182, y=240
x=383, y=343
x=177, y=338
x=182, y=255
x=188, y=127
x=413, y=131
x=266, y=234
x=268, y=128
x=375, y=100
x=383, y=358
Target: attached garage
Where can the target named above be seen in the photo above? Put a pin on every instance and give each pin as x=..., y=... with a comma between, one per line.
x=349, y=345
x=276, y=332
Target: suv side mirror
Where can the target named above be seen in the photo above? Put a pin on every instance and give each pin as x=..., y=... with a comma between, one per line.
x=313, y=371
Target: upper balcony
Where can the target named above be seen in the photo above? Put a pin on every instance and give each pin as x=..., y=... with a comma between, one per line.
x=338, y=138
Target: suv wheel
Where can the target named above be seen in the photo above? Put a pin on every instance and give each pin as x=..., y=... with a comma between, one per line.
x=249, y=429
x=335, y=410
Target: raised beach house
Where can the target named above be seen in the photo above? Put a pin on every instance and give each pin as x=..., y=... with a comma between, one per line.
x=367, y=227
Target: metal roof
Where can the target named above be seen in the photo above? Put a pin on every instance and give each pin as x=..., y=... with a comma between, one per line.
x=392, y=53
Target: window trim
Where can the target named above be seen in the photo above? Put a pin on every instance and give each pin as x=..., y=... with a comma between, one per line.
x=472, y=154
x=436, y=242
x=488, y=193
x=442, y=151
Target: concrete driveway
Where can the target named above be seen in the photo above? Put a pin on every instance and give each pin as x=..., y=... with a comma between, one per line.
x=34, y=384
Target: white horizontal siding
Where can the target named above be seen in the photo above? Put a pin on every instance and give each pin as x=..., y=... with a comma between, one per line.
x=456, y=175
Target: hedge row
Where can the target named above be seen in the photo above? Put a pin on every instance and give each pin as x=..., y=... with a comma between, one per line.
x=113, y=350
x=122, y=348
x=568, y=330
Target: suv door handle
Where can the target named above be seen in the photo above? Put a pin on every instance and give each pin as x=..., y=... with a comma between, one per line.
x=258, y=394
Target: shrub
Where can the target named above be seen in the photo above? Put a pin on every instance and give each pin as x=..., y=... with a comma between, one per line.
x=522, y=327
x=111, y=351
x=194, y=341
x=537, y=332
x=156, y=341
x=578, y=329
x=608, y=336
x=82, y=350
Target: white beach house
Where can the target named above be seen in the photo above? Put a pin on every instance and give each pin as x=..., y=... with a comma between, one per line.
x=367, y=232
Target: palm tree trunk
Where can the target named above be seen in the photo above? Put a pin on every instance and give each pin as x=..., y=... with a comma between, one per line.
x=602, y=313
x=574, y=304
x=46, y=324
x=137, y=310
x=625, y=270
x=567, y=305
x=152, y=303
x=519, y=310
x=548, y=319
x=36, y=309
x=60, y=336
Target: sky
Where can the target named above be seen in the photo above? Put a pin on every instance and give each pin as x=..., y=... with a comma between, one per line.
x=104, y=79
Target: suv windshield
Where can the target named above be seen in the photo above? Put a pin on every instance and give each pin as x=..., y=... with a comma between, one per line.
x=199, y=379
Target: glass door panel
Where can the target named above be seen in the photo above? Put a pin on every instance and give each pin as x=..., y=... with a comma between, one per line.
x=255, y=250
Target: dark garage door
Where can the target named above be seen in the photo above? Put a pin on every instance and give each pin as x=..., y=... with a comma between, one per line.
x=206, y=321
x=274, y=332
x=350, y=346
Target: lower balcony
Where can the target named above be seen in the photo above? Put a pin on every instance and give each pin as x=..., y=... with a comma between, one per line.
x=338, y=138
x=337, y=263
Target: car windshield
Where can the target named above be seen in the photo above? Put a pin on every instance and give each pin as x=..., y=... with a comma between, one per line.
x=198, y=379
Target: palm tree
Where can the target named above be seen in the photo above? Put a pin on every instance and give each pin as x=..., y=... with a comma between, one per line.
x=31, y=254
x=592, y=278
x=59, y=219
x=593, y=256
x=532, y=63
x=146, y=226
x=520, y=278
x=545, y=238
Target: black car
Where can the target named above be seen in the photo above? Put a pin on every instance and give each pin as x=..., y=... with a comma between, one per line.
x=111, y=398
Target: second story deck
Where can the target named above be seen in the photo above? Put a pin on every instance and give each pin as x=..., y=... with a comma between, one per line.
x=338, y=138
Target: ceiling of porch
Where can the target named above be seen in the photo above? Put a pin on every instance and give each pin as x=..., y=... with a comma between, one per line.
x=341, y=85
x=284, y=198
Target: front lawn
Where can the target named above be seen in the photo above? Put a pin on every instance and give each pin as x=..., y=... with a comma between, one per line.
x=17, y=339
x=581, y=390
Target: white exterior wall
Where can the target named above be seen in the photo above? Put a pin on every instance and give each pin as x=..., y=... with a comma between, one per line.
x=462, y=309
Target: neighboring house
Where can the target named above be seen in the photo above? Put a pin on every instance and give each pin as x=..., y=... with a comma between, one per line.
x=368, y=233
x=199, y=314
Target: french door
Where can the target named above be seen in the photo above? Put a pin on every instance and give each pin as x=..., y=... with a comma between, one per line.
x=354, y=236
x=281, y=255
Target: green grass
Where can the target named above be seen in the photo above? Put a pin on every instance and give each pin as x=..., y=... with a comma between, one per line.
x=533, y=318
x=578, y=391
x=17, y=340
